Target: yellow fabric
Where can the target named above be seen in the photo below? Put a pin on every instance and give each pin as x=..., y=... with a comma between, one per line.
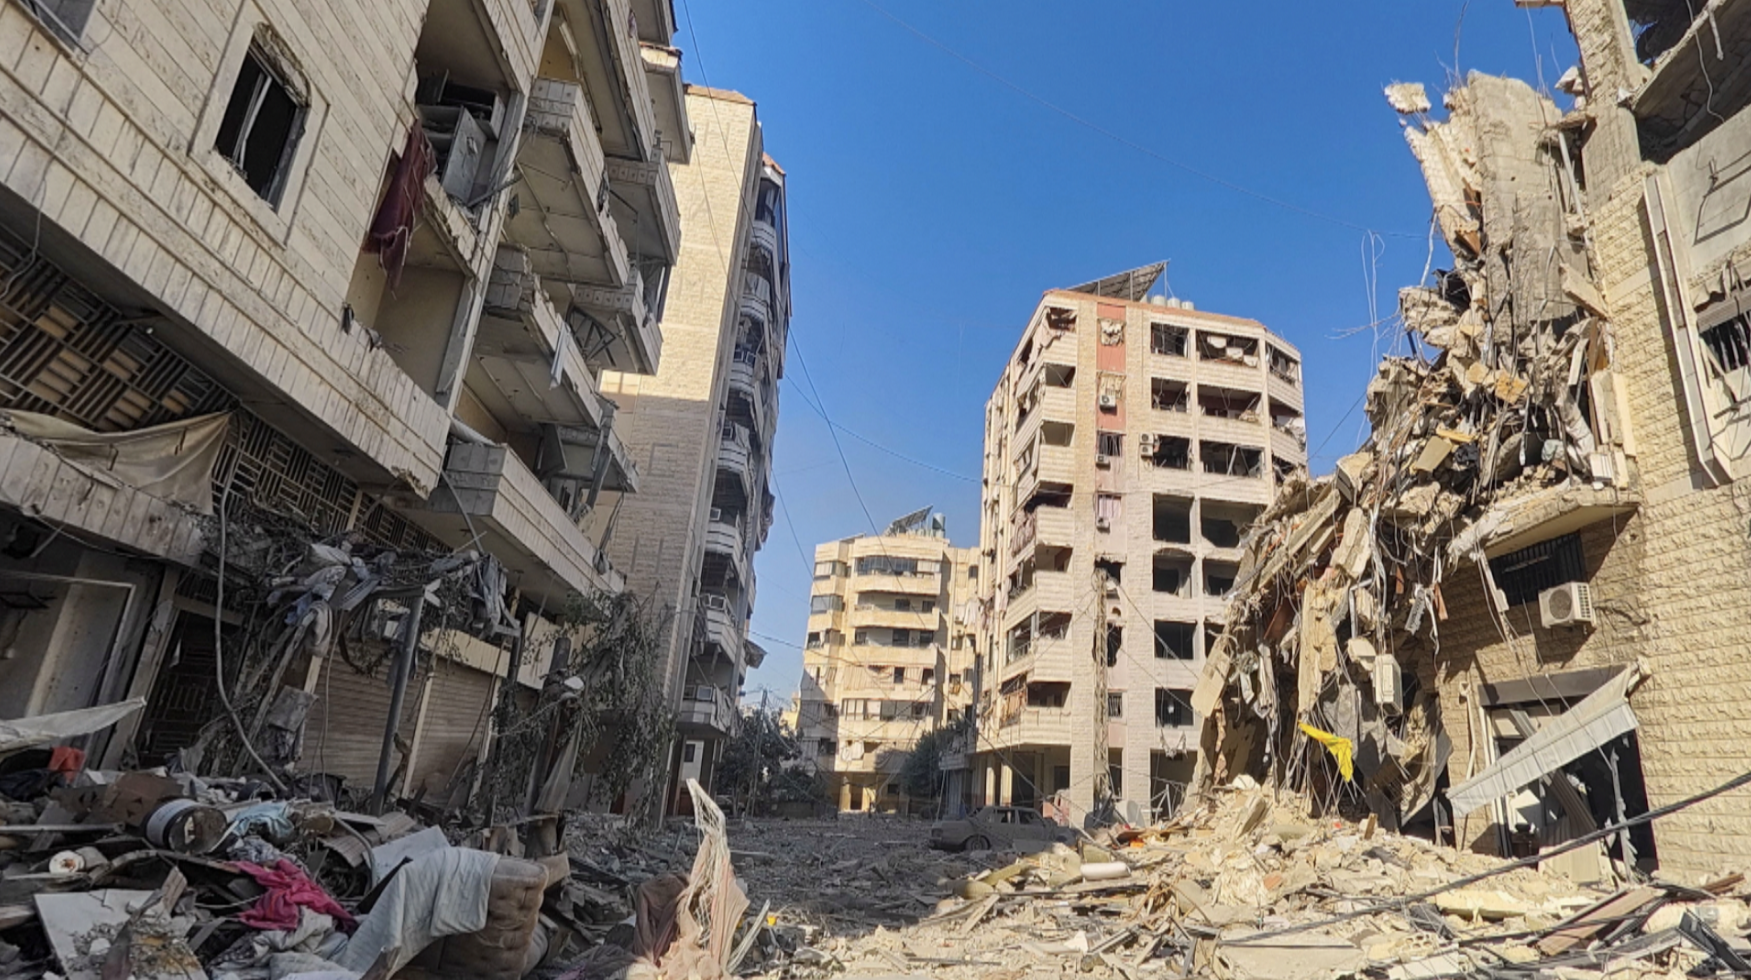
x=1341, y=748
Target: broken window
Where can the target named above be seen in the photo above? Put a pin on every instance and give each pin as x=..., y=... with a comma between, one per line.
x=899, y=675
x=1108, y=508
x=260, y=129
x=1175, y=640
x=1173, y=708
x=1223, y=524
x=1228, y=403
x=824, y=748
x=860, y=637
x=1228, y=349
x=1110, y=444
x=1115, y=704
x=1112, y=332
x=1054, y=625
x=1287, y=418
x=1729, y=351
x=66, y=18
x=1173, y=519
x=1110, y=569
x=1172, y=573
x=1050, y=495
x=1171, y=453
x=825, y=603
x=1227, y=458
x=814, y=640
x=1284, y=366
x=1168, y=340
x=1047, y=694
x=1522, y=575
x=954, y=681
x=1219, y=577
x=1058, y=318
x=1059, y=375
x=1056, y=434
x=1658, y=25
x=1115, y=643
x=1284, y=468
x=1166, y=395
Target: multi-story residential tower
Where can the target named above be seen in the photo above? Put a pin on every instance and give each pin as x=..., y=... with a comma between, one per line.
x=889, y=656
x=392, y=246
x=1127, y=446
x=701, y=426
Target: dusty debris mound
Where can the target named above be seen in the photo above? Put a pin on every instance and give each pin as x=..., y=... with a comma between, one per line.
x=1501, y=416
x=1246, y=882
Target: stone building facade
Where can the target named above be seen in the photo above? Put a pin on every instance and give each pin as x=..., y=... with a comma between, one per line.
x=394, y=247
x=1128, y=445
x=890, y=655
x=701, y=427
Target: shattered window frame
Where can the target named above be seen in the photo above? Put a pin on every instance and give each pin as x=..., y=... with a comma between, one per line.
x=1521, y=575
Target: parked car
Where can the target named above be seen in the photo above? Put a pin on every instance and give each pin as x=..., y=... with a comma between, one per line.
x=992, y=827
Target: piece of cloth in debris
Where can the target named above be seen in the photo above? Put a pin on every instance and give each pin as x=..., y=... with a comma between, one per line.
x=288, y=890
x=1341, y=748
x=272, y=820
x=441, y=893
x=656, y=903
x=392, y=226
x=707, y=909
x=173, y=461
x=22, y=733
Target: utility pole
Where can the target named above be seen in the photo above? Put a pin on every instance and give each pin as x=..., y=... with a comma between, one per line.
x=759, y=753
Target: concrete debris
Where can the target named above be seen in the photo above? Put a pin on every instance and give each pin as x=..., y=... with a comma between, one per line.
x=1499, y=422
x=1243, y=882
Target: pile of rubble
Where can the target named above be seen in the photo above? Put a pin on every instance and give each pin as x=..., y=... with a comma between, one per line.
x=1246, y=883
x=159, y=874
x=1503, y=416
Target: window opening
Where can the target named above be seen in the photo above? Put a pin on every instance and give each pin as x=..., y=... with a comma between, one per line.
x=260, y=129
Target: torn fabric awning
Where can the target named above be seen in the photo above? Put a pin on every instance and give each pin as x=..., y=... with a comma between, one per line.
x=1600, y=717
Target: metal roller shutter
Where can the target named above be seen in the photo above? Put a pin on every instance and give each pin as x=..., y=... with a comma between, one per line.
x=457, y=719
x=344, y=733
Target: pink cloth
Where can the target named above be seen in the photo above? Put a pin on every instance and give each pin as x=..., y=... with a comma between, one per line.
x=288, y=889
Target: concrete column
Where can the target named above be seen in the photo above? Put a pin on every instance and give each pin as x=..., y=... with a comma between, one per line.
x=844, y=793
x=1006, y=783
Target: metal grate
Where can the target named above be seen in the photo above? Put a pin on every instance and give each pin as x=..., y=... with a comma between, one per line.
x=1522, y=575
x=67, y=353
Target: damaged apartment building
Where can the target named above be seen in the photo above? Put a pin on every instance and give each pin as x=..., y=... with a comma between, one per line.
x=702, y=427
x=891, y=655
x=1517, y=614
x=306, y=313
x=1128, y=444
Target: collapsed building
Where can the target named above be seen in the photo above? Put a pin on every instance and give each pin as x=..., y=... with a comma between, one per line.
x=1516, y=614
x=307, y=320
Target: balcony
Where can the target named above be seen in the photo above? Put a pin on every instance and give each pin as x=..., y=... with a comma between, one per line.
x=757, y=298
x=662, y=71
x=527, y=364
x=746, y=384
x=1288, y=445
x=464, y=32
x=722, y=628
x=724, y=537
x=764, y=234
x=1035, y=726
x=706, y=711
x=623, y=331
x=1057, y=464
x=650, y=213
x=488, y=491
x=907, y=619
x=735, y=456
x=563, y=219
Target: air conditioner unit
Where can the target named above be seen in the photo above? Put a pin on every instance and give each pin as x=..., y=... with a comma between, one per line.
x=712, y=600
x=704, y=692
x=1569, y=604
x=1109, y=401
x=1146, y=444
x=1103, y=524
x=1112, y=590
x=1102, y=459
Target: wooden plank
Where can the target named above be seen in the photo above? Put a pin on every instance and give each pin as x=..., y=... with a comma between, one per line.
x=1601, y=916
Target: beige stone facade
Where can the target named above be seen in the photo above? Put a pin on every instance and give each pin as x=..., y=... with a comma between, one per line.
x=890, y=655
x=1662, y=215
x=1128, y=445
x=185, y=190
x=700, y=428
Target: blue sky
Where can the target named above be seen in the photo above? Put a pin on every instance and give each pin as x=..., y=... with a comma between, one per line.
x=931, y=205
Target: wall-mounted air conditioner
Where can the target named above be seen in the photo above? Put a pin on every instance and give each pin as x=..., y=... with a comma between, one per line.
x=1103, y=524
x=1569, y=604
x=712, y=600
x=1109, y=401
x=1102, y=459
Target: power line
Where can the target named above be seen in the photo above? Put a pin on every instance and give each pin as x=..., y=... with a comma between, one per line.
x=1115, y=137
